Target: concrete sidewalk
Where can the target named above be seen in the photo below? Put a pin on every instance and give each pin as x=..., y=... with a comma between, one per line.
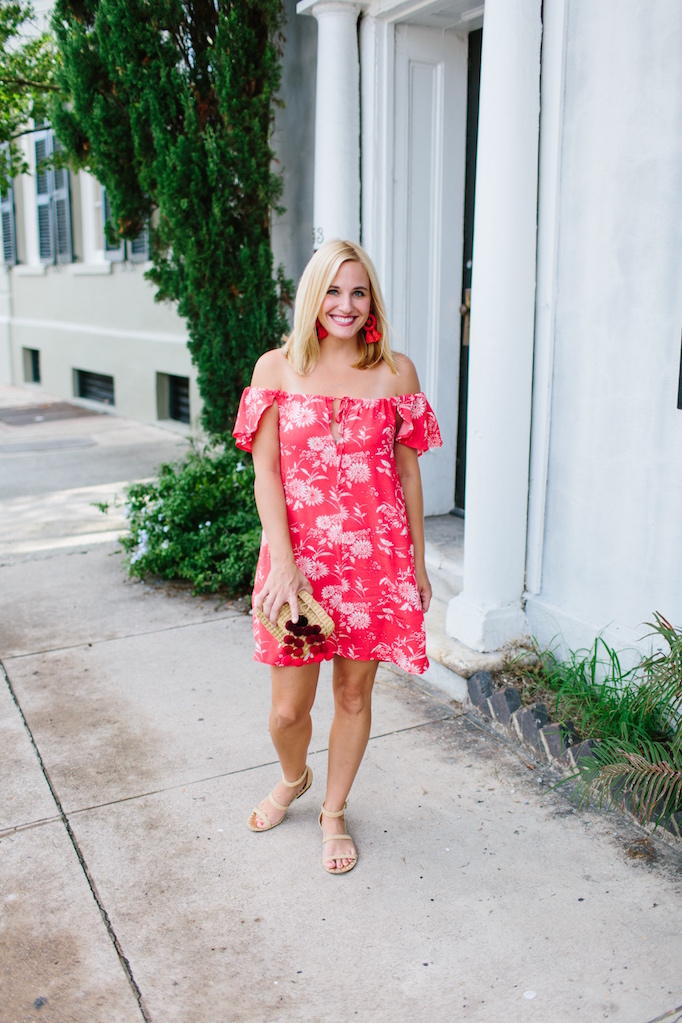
x=133, y=746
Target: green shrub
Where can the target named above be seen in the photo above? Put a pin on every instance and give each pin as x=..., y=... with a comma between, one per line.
x=635, y=715
x=197, y=521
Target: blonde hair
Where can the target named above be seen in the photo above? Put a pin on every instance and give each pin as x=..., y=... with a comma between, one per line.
x=302, y=347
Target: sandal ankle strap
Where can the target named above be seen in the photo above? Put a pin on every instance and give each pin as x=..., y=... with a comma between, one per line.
x=299, y=781
x=334, y=813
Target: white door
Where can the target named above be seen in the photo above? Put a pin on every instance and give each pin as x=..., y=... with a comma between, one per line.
x=428, y=211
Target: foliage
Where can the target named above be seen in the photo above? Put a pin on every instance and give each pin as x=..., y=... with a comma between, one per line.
x=635, y=715
x=645, y=777
x=197, y=521
x=591, y=689
x=28, y=62
x=169, y=104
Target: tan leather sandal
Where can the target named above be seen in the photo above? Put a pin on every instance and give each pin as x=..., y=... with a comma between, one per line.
x=306, y=777
x=336, y=838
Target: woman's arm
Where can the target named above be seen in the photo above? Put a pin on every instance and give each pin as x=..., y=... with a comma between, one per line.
x=407, y=463
x=285, y=580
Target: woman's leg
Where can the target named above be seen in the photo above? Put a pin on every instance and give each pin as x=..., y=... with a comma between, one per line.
x=353, y=682
x=293, y=695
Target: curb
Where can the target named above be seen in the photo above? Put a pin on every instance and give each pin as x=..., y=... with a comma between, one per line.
x=553, y=743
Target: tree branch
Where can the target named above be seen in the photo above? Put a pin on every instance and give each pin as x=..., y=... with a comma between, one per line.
x=24, y=83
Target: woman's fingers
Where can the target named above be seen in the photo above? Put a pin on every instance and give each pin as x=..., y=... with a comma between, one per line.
x=276, y=593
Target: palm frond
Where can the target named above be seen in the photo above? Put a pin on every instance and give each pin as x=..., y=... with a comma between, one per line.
x=660, y=693
x=645, y=777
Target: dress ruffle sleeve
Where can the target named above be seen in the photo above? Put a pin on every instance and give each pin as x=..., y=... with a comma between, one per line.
x=419, y=428
x=254, y=402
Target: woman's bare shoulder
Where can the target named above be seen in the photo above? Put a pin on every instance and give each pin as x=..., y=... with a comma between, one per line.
x=270, y=370
x=406, y=380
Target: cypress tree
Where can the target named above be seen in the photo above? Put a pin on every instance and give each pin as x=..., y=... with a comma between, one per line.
x=169, y=104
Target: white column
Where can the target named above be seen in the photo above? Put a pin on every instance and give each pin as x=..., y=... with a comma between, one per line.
x=488, y=613
x=337, y=120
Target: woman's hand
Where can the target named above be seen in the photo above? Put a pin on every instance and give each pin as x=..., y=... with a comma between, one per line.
x=424, y=587
x=282, y=586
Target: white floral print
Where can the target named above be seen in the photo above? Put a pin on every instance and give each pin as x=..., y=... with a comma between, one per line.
x=347, y=517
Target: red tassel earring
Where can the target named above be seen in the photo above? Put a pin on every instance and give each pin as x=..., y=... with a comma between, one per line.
x=321, y=331
x=372, y=335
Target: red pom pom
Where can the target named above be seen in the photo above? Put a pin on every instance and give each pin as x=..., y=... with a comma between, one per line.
x=286, y=660
x=372, y=335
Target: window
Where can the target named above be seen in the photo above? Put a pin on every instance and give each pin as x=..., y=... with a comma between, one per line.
x=53, y=201
x=135, y=251
x=95, y=386
x=31, y=365
x=9, y=247
x=172, y=397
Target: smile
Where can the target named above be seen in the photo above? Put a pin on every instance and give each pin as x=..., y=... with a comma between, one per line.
x=343, y=321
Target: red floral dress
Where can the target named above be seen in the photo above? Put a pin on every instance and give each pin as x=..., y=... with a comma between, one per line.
x=347, y=518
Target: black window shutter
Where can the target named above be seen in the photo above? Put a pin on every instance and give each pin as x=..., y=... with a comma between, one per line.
x=9, y=248
x=139, y=248
x=44, y=190
x=61, y=202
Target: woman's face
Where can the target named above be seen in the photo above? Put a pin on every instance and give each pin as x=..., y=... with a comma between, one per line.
x=346, y=305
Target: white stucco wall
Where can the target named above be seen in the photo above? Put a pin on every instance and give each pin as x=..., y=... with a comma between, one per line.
x=104, y=324
x=613, y=526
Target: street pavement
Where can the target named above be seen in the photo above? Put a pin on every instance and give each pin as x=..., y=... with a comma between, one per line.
x=134, y=744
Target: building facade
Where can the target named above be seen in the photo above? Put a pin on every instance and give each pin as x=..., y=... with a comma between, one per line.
x=515, y=170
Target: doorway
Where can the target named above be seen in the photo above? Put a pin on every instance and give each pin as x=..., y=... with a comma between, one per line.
x=429, y=161
x=473, y=90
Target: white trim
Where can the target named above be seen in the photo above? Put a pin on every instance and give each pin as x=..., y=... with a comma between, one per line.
x=549, y=189
x=404, y=10
x=30, y=210
x=436, y=215
x=94, y=269
x=88, y=328
x=377, y=55
x=29, y=269
x=92, y=254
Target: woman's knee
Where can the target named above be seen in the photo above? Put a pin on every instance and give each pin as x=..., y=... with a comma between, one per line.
x=285, y=716
x=353, y=697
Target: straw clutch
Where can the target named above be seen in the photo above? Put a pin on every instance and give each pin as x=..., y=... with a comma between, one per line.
x=308, y=638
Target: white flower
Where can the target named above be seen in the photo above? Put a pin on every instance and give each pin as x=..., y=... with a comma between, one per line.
x=296, y=413
x=359, y=619
x=361, y=547
x=313, y=569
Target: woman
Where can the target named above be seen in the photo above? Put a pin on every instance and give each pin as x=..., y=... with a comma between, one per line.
x=335, y=422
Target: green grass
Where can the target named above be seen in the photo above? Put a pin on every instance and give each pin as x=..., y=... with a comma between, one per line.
x=634, y=714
